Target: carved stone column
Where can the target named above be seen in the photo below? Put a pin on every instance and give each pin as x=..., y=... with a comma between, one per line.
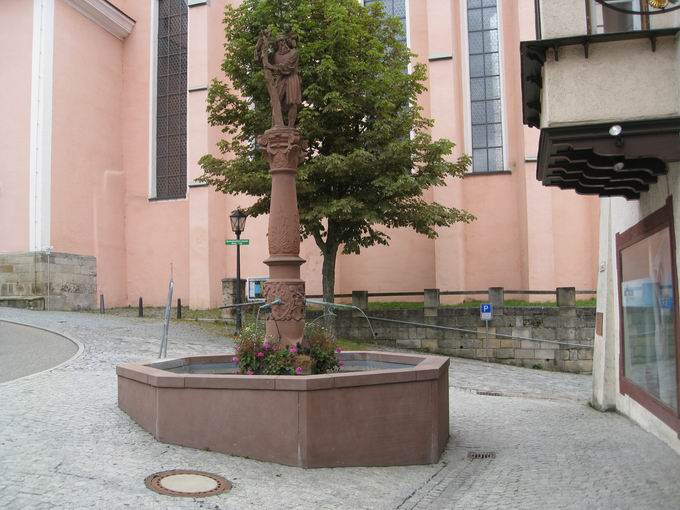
x=283, y=149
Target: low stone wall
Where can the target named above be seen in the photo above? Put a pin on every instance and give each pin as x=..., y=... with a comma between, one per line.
x=570, y=324
x=63, y=281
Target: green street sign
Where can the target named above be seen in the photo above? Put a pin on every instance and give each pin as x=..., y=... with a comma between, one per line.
x=232, y=242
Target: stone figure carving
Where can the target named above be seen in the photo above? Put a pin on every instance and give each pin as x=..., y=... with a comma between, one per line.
x=292, y=296
x=281, y=75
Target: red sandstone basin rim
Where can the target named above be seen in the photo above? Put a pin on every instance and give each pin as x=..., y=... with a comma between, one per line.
x=155, y=373
x=382, y=417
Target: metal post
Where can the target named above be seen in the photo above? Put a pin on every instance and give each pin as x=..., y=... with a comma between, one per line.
x=140, y=312
x=101, y=303
x=179, y=308
x=238, y=283
x=166, y=321
x=47, y=303
x=486, y=344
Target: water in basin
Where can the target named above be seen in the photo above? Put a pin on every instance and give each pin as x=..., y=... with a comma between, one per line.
x=232, y=368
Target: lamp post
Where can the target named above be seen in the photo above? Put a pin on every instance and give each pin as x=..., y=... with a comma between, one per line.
x=238, y=225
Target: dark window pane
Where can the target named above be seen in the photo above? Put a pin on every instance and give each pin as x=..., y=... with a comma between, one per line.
x=485, y=85
x=479, y=137
x=491, y=64
x=171, y=106
x=476, y=42
x=161, y=127
x=494, y=135
x=161, y=149
x=477, y=89
x=493, y=111
x=495, y=160
x=490, y=17
x=479, y=162
x=474, y=19
x=174, y=147
x=396, y=8
x=399, y=8
x=490, y=41
x=493, y=87
x=163, y=45
x=162, y=88
x=476, y=66
x=176, y=7
x=478, y=110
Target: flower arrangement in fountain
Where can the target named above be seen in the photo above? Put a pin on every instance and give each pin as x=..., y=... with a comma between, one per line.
x=317, y=354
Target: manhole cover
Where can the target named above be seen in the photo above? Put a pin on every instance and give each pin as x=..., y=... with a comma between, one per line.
x=188, y=483
x=481, y=455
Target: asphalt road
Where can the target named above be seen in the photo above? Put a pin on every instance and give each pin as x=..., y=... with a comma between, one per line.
x=25, y=350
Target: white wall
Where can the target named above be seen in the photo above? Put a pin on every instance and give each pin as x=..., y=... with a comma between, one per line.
x=617, y=215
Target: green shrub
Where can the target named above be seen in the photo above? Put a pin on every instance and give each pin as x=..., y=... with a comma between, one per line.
x=316, y=355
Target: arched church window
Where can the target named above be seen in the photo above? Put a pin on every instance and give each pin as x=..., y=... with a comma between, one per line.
x=171, y=100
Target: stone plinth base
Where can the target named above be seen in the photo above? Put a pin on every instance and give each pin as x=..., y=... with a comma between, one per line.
x=58, y=281
x=229, y=296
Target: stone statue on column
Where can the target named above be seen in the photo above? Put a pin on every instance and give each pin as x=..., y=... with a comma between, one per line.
x=284, y=149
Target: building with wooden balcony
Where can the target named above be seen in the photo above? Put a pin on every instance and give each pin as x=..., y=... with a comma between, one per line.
x=602, y=83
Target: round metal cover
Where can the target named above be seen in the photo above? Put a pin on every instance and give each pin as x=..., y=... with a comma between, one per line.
x=187, y=483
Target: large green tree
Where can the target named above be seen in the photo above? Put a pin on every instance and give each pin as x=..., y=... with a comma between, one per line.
x=370, y=156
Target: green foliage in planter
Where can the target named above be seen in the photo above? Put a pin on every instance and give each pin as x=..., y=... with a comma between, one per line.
x=317, y=354
x=322, y=350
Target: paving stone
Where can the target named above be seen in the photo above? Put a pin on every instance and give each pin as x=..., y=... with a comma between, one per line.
x=65, y=444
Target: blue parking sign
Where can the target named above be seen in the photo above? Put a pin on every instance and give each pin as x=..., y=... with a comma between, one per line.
x=485, y=311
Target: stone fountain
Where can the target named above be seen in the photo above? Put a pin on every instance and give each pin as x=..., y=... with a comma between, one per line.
x=381, y=409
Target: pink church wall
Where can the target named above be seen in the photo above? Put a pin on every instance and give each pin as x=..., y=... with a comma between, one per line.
x=88, y=187
x=16, y=29
x=525, y=236
x=156, y=231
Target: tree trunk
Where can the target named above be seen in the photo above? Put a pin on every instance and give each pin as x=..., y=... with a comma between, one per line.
x=329, y=250
x=328, y=281
x=328, y=272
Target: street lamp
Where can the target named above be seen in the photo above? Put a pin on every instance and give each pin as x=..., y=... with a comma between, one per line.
x=238, y=225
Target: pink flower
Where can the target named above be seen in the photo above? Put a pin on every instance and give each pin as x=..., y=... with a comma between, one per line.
x=266, y=346
x=237, y=348
x=338, y=350
x=260, y=354
x=298, y=370
x=341, y=364
x=292, y=349
x=235, y=359
x=250, y=372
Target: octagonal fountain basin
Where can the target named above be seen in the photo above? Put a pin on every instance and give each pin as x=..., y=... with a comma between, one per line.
x=383, y=409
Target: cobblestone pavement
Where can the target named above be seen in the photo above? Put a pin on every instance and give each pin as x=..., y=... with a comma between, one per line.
x=65, y=444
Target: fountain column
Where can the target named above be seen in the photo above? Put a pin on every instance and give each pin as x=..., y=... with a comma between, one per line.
x=283, y=149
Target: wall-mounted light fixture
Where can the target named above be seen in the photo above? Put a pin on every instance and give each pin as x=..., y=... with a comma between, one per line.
x=662, y=5
x=616, y=131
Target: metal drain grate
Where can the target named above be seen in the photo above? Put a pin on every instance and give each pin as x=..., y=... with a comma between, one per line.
x=489, y=393
x=481, y=455
x=187, y=483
